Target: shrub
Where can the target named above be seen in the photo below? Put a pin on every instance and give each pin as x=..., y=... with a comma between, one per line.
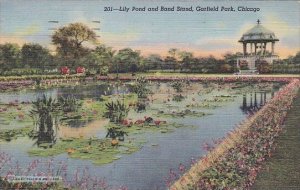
x=116, y=111
x=140, y=87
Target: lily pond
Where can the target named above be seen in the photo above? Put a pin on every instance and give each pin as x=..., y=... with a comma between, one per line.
x=130, y=133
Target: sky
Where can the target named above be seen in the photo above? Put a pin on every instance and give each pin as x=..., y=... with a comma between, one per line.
x=201, y=32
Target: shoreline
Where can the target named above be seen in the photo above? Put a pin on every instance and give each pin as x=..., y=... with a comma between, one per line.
x=36, y=81
x=237, y=137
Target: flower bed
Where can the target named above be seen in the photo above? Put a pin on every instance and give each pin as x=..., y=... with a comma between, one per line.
x=80, y=179
x=4, y=85
x=206, y=79
x=235, y=162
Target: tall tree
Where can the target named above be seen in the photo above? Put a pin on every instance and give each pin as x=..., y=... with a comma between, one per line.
x=106, y=54
x=153, y=61
x=35, y=56
x=231, y=59
x=69, y=40
x=127, y=60
x=100, y=59
x=9, y=56
x=173, y=54
x=296, y=59
x=185, y=59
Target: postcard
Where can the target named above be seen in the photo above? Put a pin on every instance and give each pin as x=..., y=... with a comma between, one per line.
x=149, y=95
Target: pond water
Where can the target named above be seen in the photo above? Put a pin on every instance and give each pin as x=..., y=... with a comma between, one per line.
x=225, y=104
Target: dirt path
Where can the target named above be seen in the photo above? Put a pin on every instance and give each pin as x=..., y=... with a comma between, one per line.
x=282, y=171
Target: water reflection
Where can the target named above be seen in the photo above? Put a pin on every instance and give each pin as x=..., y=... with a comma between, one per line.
x=93, y=128
x=45, y=137
x=91, y=91
x=141, y=105
x=254, y=101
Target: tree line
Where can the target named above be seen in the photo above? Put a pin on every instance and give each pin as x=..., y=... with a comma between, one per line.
x=77, y=45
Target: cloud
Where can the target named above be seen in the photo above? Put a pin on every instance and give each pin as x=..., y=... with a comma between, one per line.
x=29, y=30
x=121, y=39
x=285, y=51
x=280, y=27
x=217, y=43
x=18, y=37
x=12, y=39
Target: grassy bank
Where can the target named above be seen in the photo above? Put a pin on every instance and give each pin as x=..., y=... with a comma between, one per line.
x=282, y=171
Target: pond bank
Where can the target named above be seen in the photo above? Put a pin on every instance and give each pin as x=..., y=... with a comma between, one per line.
x=46, y=81
x=236, y=161
x=282, y=171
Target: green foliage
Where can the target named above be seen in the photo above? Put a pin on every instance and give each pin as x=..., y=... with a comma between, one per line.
x=10, y=134
x=296, y=58
x=263, y=66
x=5, y=185
x=69, y=40
x=45, y=112
x=127, y=60
x=243, y=65
x=141, y=106
x=140, y=87
x=27, y=71
x=116, y=111
x=178, y=98
x=114, y=133
x=99, y=59
x=178, y=86
x=69, y=103
x=104, y=70
x=35, y=56
x=185, y=60
x=289, y=65
x=226, y=68
x=153, y=61
x=9, y=56
x=70, y=43
x=99, y=151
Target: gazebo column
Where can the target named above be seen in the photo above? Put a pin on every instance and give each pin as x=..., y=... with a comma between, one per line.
x=244, y=101
x=273, y=44
x=265, y=47
x=261, y=48
x=251, y=48
x=255, y=48
x=245, y=48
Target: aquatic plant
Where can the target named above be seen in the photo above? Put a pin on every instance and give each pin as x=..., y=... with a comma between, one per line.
x=116, y=111
x=181, y=113
x=45, y=112
x=178, y=86
x=178, y=97
x=9, y=134
x=141, y=106
x=115, y=133
x=140, y=87
x=69, y=103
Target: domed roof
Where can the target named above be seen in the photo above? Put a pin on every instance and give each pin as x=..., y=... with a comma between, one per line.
x=258, y=33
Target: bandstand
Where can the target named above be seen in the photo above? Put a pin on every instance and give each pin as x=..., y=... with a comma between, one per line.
x=258, y=44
